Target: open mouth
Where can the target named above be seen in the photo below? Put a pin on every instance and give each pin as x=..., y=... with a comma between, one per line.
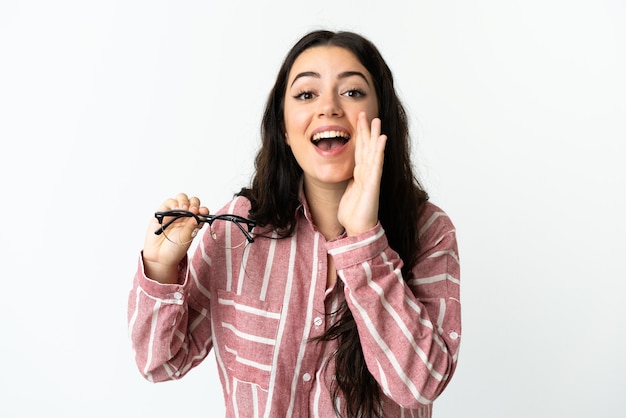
x=329, y=140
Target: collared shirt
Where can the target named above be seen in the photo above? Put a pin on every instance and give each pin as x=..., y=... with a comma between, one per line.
x=260, y=305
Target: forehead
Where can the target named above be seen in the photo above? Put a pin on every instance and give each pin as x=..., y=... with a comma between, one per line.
x=327, y=61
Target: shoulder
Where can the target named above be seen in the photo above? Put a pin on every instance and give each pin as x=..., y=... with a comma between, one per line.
x=434, y=223
x=239, y=205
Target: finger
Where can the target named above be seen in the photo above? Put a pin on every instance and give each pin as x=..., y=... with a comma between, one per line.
x=381, y=143
x=190, y=230
x=169, y=204
x=183, y=201
x=375, y=129
x=362, y=137
x=194, y=204
x=181, y=232
x=370, y=147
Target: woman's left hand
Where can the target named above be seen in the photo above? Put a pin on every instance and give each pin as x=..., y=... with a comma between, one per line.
x=358, y=209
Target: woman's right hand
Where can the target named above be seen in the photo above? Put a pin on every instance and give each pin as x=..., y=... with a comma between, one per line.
x=161, y=256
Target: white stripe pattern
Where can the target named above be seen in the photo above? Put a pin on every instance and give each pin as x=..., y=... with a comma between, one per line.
x=386, y=350
x=287, y=295
x=248, y=362
x=304, y=341
x=433, y=279
x=357, y=245
x=398, y=320
x=247, y=336
x=259, y=307
x=248, y=309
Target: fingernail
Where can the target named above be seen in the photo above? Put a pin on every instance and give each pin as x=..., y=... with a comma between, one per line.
x=194, y=233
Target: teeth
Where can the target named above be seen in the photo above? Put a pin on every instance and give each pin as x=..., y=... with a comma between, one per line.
x=330, y=134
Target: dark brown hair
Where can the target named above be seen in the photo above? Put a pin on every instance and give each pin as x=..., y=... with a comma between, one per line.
x=274, y=196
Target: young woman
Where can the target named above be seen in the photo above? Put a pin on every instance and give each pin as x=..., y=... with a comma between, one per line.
x=330, y=286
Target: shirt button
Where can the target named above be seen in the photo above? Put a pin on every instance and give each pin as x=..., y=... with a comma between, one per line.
x=318, y=321
x=178, y=295
x=306, y=377
x=454, y=335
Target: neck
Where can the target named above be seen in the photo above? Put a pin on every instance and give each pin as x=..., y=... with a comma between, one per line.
x=323, y=200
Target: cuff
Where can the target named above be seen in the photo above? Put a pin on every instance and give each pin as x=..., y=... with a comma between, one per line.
x=163, y=290
x=348, y=251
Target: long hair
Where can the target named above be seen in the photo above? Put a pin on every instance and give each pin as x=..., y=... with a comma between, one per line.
x=274, y=197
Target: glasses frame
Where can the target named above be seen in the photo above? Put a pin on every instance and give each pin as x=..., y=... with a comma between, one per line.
x=177, y=214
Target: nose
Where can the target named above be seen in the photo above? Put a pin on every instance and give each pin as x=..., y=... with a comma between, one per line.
x=329, y=105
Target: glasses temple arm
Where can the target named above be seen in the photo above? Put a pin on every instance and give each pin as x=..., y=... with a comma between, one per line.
x=161, y=216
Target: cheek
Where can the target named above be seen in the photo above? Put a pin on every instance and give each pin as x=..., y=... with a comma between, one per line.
x=294, y=125
x=286, y=127
x=373, y=110
x=372, y=107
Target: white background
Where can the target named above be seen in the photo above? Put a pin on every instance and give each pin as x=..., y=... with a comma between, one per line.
x=518, y=111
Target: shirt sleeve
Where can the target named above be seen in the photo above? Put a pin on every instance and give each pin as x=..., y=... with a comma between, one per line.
x=410, y=331
x=169, y=330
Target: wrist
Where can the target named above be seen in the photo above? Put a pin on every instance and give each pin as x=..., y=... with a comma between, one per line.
x=354, y=231
x=162, y=273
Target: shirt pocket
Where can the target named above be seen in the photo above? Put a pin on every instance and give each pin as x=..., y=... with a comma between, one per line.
x=249, y=328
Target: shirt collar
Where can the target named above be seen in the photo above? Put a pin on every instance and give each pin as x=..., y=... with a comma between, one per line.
x=303, y=207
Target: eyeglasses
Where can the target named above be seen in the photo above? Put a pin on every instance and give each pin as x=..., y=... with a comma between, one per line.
x=229, y=239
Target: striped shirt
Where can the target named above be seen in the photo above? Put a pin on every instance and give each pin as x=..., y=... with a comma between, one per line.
x=258, y=307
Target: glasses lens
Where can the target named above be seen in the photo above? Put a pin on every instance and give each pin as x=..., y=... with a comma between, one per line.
x=227, y=234
x=171, y=227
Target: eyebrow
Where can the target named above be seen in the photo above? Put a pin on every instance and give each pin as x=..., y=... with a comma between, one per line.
x=345, y=74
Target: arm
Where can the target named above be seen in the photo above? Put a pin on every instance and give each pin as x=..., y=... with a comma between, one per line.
x=410, y=332
x=168, y=312
x=165, y=346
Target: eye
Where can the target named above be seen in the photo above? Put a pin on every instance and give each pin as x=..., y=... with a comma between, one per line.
x=304, y=95
x=354, y=93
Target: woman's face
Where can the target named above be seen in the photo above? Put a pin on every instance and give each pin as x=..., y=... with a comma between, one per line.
x=327, y=88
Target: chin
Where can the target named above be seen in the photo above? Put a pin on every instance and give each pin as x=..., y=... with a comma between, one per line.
x=331, y=174
x=334, y=179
